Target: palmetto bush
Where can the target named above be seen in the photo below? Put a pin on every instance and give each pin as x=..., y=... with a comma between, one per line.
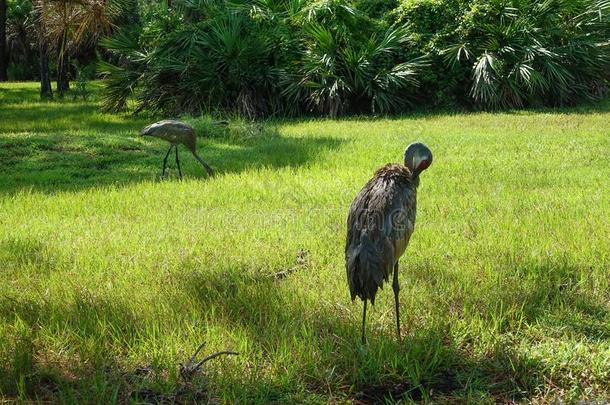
x=292, y=57
x=188, y=62
x=259, y=58
x=521, y=53
x=337, y=72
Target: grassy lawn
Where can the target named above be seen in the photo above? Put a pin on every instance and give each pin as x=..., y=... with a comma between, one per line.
x=110, y=276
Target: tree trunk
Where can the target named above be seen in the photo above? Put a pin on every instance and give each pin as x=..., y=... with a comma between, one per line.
x=46, y=92
x=63, y=83
x=3, y=52
x=43, y=56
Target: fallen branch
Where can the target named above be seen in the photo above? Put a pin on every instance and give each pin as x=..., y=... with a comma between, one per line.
x=190, y=368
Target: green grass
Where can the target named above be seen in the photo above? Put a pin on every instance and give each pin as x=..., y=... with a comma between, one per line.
x=110, y=276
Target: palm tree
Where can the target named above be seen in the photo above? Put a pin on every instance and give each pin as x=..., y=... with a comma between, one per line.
x=68, y=24
x=46, y=92
x=20, y=33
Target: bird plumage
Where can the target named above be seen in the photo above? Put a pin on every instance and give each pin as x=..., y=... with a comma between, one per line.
x=380, y=222
x=176, y=133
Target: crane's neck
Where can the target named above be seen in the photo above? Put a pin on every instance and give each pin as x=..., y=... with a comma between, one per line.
x=415, y=182
x=203, y=163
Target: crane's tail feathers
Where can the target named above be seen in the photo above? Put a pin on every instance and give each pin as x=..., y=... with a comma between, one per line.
x=352, y=269
x=369, y=264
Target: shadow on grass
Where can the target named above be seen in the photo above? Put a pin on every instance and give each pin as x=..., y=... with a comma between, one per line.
x=314, y=343
x=78, y=373
x=29, y=92
x=593, y=107
x=62, y=118
x=427, y=364
x=15, y=254
x=67, y=146
x=58, y=162
x=18, y=94
x=550, y=294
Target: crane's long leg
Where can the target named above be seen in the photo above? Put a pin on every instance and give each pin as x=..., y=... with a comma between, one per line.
x=396, y=288
x=178, y=163
x=165, y=160
x=364, y=322
x=207, y=167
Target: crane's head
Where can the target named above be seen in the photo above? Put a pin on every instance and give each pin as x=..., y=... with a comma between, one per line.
x=150, y=130
x=417, y=158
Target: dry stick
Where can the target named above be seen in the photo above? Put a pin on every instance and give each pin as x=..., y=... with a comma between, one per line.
x=211, y=356
x=189, y=369
x=196, y=353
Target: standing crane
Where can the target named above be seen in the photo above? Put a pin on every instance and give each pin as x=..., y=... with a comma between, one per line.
x=176, y=133
x=380, y=223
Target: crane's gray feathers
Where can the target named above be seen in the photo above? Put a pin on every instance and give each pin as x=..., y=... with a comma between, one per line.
x=176, y=133
x=380, y=223
x=167, y=126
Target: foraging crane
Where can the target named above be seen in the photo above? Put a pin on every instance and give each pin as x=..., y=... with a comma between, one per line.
x=176, y=133
x=380, y=222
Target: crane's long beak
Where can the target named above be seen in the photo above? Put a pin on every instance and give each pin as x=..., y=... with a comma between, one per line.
x=145, y=131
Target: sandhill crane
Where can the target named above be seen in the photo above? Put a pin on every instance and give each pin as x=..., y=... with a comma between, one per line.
x=176, y=133
x=380, y=222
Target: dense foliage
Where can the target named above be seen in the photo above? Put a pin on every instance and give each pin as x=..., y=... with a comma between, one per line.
x=260, y=58
x=549, y=52
x=58, y=37
x=335, y=57
x=330, y=57
x=20, y=41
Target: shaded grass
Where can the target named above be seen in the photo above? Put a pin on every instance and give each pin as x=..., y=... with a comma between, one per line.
x=72, y=146
x=111, y=277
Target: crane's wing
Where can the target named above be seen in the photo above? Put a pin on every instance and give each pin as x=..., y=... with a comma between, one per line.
x=167, y=127
x=379, y=225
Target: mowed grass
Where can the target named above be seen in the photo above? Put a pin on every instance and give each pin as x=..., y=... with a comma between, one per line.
x=111, y=276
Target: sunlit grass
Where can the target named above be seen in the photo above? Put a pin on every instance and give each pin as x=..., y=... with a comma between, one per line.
x=111, y=277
